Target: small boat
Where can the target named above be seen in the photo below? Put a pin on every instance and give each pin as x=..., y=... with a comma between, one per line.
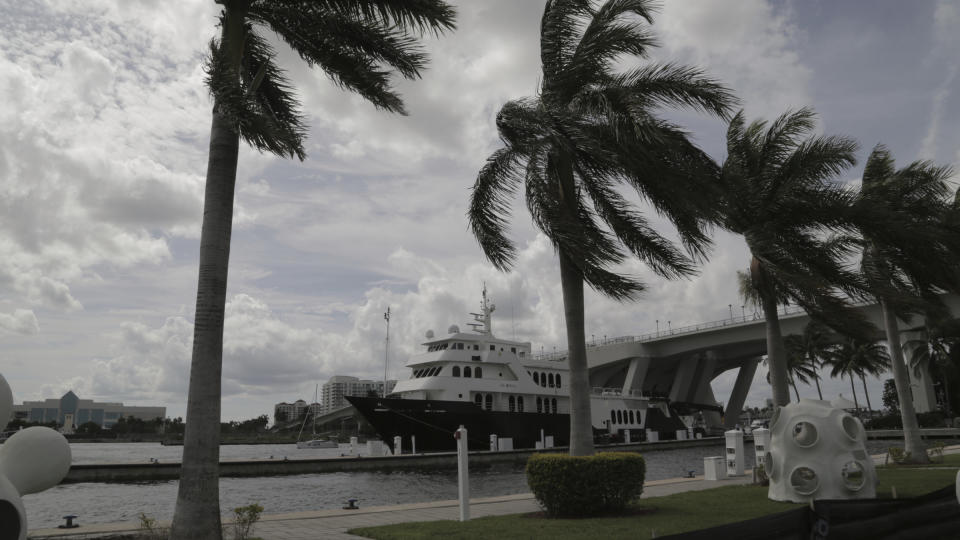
x=314, y=442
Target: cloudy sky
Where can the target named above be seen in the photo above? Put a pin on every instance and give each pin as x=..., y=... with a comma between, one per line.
x=104, y=123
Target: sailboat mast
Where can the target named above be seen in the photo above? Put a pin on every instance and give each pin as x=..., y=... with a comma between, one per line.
x=386, y=352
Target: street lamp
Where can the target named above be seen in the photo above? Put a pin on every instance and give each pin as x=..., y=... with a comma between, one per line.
x=730, y=307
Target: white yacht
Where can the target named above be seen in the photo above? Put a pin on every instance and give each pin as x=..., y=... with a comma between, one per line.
x=496, y=386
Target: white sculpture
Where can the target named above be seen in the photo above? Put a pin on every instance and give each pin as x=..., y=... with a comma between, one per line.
x=32, y=460
x=818, y=452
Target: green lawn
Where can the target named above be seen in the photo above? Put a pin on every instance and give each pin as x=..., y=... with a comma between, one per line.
x=660, y=515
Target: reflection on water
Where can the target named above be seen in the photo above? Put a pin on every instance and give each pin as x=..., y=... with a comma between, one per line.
x=102, y=503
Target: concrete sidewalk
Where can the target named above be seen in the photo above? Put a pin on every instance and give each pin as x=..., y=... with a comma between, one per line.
x=335, y=523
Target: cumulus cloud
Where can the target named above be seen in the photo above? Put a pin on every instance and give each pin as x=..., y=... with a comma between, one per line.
x=21, y=321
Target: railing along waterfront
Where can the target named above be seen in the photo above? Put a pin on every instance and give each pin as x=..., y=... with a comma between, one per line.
x=745, y=318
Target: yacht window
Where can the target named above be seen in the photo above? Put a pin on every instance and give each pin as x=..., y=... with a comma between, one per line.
x=543, y=380
x=522, y=354
x=466, y=371
x=437, y=371
x=476, y=347
x=513, y=350
x=493, y=347
x=455, y=371
x=513, y=404
x=488, y=401
x=557, y=380
x=475, y=358
x=478, y=399
x=631, y=416
x=536, y=377
x=613, y=417
x=539, y=404
x=550, y=380
x=459, y=346
x=554, y=400
x=619, y=417
x=477, y=373
x=520, y=403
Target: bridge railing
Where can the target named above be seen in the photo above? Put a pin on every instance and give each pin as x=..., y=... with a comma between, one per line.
x=745, y=318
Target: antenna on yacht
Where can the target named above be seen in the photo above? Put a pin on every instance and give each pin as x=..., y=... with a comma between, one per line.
x=484, y=322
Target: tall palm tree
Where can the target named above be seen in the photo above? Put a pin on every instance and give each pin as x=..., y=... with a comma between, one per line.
x=777, y=193
x=910, y=259
x=358, y=43
x=809, y=349
x=588, y=131
x=797, y=370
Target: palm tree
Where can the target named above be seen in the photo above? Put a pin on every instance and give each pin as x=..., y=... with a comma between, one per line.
x=776, y=192
x=355, y=42
x=797, y=370
x=910, y=259
x=940, y=350
x=860, y=358
x=588, y=131
x=809, y=350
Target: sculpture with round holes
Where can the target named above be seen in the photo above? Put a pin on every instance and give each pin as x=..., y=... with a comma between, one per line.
x=31, y=460
x=818, y=452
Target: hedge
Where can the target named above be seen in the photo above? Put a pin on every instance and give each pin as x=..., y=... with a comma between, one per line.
x=585, y=485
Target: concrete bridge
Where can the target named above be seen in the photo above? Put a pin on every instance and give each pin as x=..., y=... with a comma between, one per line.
x=680, y=363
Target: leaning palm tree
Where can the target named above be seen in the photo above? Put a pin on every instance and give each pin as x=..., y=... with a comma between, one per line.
x=776, y=191
x=357, y=43
x=910, y=259
x=588, y=131
x=809, y=349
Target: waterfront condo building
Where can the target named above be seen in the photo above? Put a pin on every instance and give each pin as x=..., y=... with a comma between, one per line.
x=70, y=411
x=332, y=396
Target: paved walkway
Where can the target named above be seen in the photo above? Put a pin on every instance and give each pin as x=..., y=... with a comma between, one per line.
x=334, y=524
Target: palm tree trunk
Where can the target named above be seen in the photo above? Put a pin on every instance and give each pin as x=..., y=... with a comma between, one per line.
x=795, y=391
x=856, y=405
x=776, y=356
x=197, y=513
x=912, y=443
x=866, y=393
x=571, y=281
x=816, y=379
x=581, y=427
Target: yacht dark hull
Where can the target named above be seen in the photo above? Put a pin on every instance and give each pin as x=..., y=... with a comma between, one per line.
x=434, y=422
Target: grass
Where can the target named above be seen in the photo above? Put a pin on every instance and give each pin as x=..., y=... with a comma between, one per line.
x=658, y=516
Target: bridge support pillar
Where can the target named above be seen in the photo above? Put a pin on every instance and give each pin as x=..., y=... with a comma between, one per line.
x=636, y=374
x=921, y=383
x=703, y=392
x=739, y=395
x=683, y=379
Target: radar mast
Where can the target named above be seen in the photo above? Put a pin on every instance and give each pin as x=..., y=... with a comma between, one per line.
x=483, y=321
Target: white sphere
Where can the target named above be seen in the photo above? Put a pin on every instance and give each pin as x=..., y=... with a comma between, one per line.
x=13, y=518
x=35, y=459
x=6, y=400
x=453, y=329
x=817, y=451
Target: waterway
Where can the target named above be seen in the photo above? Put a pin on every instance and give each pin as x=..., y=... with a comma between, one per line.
x=105, y=503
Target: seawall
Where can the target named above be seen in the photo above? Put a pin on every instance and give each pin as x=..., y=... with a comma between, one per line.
x=145, y=472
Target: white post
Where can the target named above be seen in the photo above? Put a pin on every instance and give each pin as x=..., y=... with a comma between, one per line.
x=463, y=473
x=761, y=440
x=353, y=446
x=493, y=443
x=413, y=444
x=386, y=352
x=735, y=456
x=626, y=436
x=397, y=445
x=543, y=442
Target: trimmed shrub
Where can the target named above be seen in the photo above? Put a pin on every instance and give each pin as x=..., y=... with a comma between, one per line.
x=585, y=485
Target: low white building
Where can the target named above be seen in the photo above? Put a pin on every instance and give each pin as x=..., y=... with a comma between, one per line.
x=70, y=411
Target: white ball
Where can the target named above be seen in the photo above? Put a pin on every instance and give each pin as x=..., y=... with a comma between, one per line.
x=10, y=523
x=35, y=459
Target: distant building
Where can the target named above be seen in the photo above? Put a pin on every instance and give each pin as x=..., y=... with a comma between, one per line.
x=70, y=411
x=340, y=386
